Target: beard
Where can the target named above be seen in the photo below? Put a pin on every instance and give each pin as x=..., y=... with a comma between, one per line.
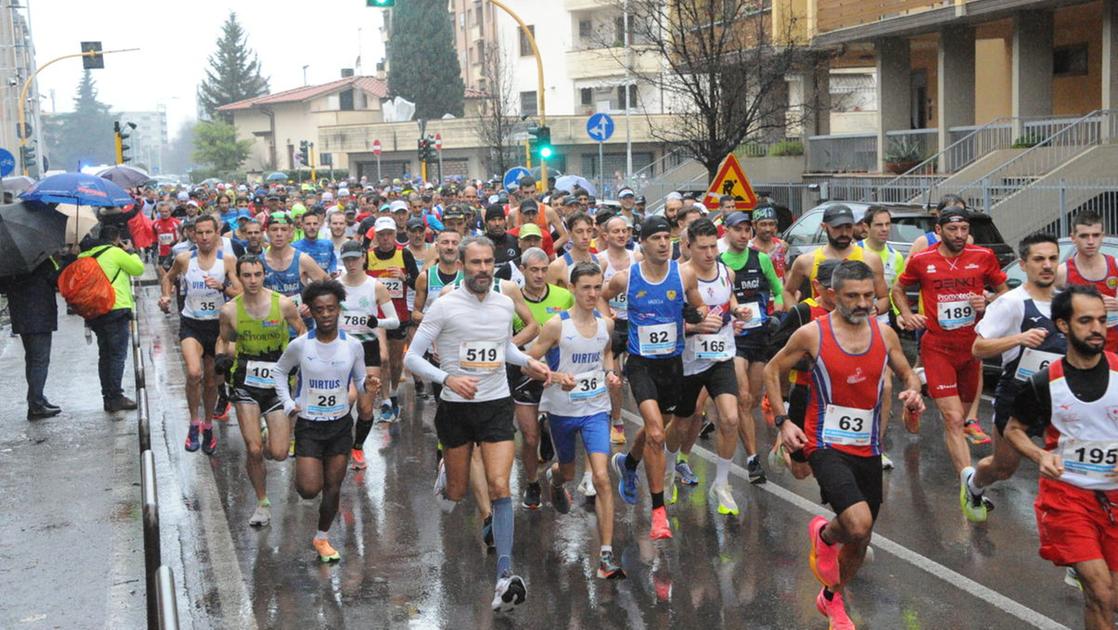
x=479, y=283
x=1084, y=346
x=856, y=316
x=841, y=242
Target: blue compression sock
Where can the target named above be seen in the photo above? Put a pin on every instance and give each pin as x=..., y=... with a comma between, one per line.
x=502, y=535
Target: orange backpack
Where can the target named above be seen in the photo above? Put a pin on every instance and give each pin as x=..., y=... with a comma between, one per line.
x=86, y=288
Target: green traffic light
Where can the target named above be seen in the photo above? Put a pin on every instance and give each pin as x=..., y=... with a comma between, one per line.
x=380, y=4
x=545, y=152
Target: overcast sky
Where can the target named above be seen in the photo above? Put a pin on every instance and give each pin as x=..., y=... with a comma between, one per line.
x=177, y=37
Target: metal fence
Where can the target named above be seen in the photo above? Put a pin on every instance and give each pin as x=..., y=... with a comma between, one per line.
x=842, y=153
x=162, y=609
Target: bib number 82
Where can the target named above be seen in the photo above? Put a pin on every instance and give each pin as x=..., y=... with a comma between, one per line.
x=658, y=336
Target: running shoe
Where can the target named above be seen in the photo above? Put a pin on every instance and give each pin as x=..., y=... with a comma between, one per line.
x=546, y=450
x=886, y=463
x=617, y=434
x=509, y=593
x=445, y=504
x=725, y=497
x=291, y=447
x=608, y=569
x=192, y=441
x=823, y=557
x=1071, y=578
x=385, y=414
x=756, y=473
x=627, y=479
x=420, y=392
x=487, y=531
x=586, y=486
x=326, y=553
x=209, y=441
x=560, y=497
x=767, y=411
x=660, y=529
x=834, y=610
x=686, y=476
x=671, y=491
x=358, y=456
x=776, y=456
x=974, y=432
x=221, y=412
x=974, y=508
x=395, y=411
x=708, y=428
x=262, y=516
x=531, y=498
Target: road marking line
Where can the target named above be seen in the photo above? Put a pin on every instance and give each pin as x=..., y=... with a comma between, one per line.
x=958, y=580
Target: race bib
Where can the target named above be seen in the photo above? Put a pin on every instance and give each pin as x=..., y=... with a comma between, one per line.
x=588, y=385
x=620, y=302
x=712, y=347
x=395, y=287
x=1033, y=361
x=847, y=426
x=758, y=315
x=332, y=401
x=1111, y=319
x=481, y=356
x=955, y=315
x=354, y=322
x=258, y=374
x=656, y=339
x=204, y=304
x=167, y=238
x=1090, y=458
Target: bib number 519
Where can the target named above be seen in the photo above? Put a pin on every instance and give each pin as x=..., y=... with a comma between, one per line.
x=481, y=355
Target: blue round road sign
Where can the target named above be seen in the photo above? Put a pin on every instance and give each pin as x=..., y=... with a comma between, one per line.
x=599, y=127
x=513, y=175
x=7, y=163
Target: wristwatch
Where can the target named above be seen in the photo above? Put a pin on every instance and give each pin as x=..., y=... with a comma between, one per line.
x=779, y=420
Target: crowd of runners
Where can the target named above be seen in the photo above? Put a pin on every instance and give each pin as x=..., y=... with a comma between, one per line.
x=305, y=308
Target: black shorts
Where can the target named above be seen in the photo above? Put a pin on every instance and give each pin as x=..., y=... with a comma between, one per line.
x=372, y=352
x=266, y=399
x=619, y=342
x=656, y=379
x=718, y=379
x=1004, y=393
x=398, y=334
x=797, y=407
x=324, y=438
x=845, y=480
x=204, y=332
x=525, y=390
x=166, y=261
x=459, y=423
x=755, y=347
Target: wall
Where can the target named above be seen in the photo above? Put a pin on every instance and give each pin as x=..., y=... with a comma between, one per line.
x=1078, y=95
x=247, y=122
x=993, y=60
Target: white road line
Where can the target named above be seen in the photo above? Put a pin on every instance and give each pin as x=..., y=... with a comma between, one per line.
x=962, y=582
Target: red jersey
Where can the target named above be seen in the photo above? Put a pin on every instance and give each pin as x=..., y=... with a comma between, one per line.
x=1107, y=285
x=844, y=405
x=166, y=233
x=946, y=286
x=803, y=377
x=778, y=256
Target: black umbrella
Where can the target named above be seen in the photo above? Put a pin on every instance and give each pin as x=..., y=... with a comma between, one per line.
x=125, y=176
x=30, y=233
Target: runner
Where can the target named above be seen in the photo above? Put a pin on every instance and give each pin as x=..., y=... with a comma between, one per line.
x=840, y=437
x=329, y=361
x=765, y=241
x=838, y=223
x=1071, y=404
x=1018, y=327
x=286, y=270
x=577, y=347
x=166, y=230
x=952, y=278
x=656, y=292
x=396, y=268
x=209, y=278
x=581, y=228
x=470, y=326
x=708, y=365
x=365, y=298
x=1089, y=262
x=321, y=250
x=618, y=257
x=755, y=284
x=253, y=321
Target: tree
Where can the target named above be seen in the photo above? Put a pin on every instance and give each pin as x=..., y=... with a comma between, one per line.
x=723, y=71
x=84, y=136
x=423, y=38
x=216, y=146
x=496, y=115
x=234, y=72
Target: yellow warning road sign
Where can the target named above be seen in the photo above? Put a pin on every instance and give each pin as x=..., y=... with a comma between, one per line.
x=731, y=180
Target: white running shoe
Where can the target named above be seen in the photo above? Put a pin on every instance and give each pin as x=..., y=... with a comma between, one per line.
x=445, y=504
x=509, y=593
x=586, y=486
x=886, y=463
x=262, y=517
x=725, y=497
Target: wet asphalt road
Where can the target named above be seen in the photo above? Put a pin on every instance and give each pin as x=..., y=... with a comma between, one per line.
x=71, y=545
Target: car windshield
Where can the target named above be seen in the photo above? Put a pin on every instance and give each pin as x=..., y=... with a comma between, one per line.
x=908, y=229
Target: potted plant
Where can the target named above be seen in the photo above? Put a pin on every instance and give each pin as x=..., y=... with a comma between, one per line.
x=902, y=156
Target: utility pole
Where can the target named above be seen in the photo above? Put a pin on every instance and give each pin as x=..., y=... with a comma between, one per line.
x=541, y=88
x=628, y=104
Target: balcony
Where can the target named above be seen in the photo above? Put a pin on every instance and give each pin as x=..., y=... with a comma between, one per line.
x=832, y=15
x=606, y=62
x=586, y=5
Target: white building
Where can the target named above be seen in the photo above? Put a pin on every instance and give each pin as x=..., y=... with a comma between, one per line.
x=148, y=140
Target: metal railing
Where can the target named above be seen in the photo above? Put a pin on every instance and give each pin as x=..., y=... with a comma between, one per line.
x=842, y=153
x=162, y=608
x=926, y=140
x=667, y=162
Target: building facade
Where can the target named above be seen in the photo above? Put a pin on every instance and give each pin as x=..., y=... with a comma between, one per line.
x=17, y=52
x=148, y=140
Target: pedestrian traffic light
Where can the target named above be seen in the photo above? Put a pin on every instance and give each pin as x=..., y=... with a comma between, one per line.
x=305, y=151
x=543, y=143
x=27, y=156
x=380, y=4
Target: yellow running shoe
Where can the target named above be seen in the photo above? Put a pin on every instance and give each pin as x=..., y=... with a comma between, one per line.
x=326, y=553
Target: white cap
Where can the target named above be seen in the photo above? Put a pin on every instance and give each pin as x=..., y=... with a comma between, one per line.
x=183, y=196
x=399, y=204
x=242, y=188
x=383, y=224
x=193, y=203
x=327, y=196
x=674, y=196
x=343, y=192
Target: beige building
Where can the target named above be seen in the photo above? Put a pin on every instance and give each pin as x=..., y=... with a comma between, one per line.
x=277, y=123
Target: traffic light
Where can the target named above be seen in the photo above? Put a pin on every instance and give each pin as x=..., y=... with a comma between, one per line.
x=380, y=4
x=27, y=156
x=305, y=151
x=426, y=149
x=543, y=143
x=119, y=137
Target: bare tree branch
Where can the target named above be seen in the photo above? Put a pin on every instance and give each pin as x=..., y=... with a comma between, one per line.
x=496, y=116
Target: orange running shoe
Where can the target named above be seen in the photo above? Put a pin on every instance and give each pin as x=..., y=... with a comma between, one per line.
x=974, y=432
x=358, y=456
x=834, y=610
x=326, y=553
x=767, y=411
x=660, y=528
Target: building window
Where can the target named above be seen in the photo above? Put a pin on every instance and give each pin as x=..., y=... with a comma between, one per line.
x=621, y=96
x=525, y=45
x=1069, y=61
x=481, y=51
x=585, y=29
x=528, y=103
x=345, y=101
x=586, y=96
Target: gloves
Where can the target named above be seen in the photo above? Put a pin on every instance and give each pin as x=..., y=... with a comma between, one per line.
x=223, y=363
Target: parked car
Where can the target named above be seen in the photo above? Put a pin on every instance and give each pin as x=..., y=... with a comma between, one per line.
x=1015, y=275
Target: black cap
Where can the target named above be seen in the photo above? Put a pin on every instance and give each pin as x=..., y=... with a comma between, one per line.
x=528, y=205
x=837, y=215
x=653, y=225
x=494, y=211
x=737, y=218
x=352, y=249
x=415, y=223
x=952, y=215
x=641, y=200
x=454, y=212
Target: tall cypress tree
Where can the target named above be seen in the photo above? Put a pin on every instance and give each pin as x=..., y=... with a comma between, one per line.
x=422, y=64
x=83, y=136
x=234, y=72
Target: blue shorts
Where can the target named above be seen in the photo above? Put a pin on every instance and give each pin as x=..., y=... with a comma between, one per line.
x=594, y=430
